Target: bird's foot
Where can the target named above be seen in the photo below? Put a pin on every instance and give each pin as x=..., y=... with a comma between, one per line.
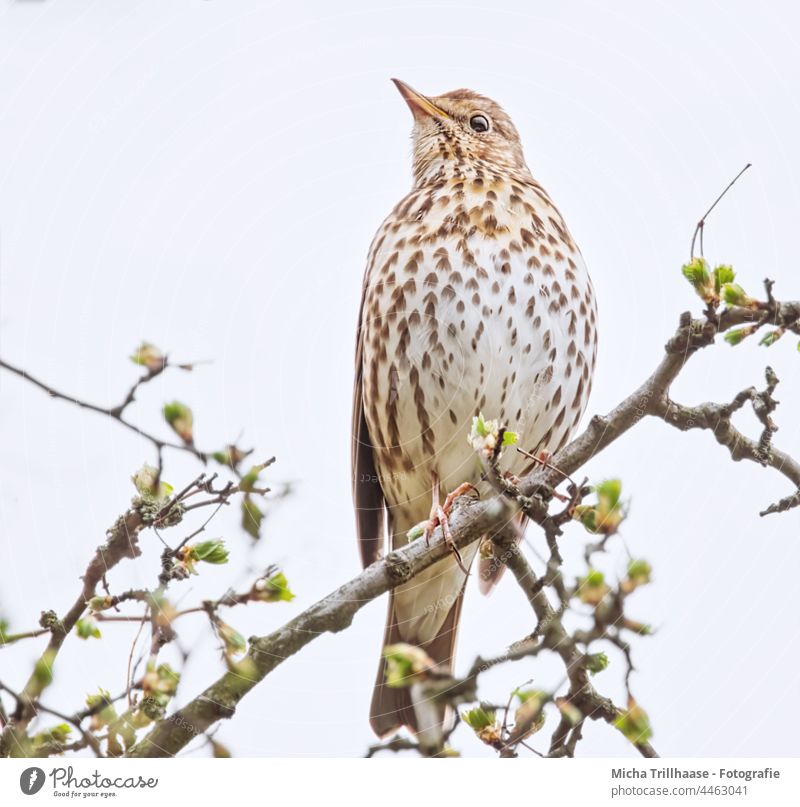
x=451, y=497
x=439, y=518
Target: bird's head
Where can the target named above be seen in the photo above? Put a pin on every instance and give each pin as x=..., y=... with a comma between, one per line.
x=458, y=131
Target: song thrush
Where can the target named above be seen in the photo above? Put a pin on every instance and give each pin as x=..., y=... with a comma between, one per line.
x=476, y=300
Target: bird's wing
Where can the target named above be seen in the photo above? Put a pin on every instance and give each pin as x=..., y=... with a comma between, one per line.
x=368, y=498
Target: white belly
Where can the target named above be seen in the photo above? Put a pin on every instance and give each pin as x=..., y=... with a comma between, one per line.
x=491, y=343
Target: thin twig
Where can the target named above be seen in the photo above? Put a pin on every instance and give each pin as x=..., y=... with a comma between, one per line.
x=701, y=224
x=113, y=412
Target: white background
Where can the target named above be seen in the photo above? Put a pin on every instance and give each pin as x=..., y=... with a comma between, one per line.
x=208, y=176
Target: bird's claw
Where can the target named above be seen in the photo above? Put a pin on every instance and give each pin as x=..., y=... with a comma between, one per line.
x=454, y=494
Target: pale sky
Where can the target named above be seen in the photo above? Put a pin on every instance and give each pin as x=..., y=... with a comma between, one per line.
x=208, y=176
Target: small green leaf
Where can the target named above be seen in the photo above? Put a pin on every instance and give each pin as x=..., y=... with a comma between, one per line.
x=594, y=578
x=180, y=418
x=230, y=456
x=48, y=741
x=404, y=663
x=95, y=698
x=479, y=718
x=417, y=531
x=606, y=516
x=248, y=482
x=483, y=721
x=771, y=337
x=273, y=589
x=106, y=714
x=234, y=642
x=639, y=572
x=252, y=517
x=161, y=679
x=634, y=723
x=509, y=438
x=596, y=662
x=212, y=551
x=737, y=335
x=696, y=272
x=586, y=514
x=734, y=294
x=610, y=490
x=147, y=482
x=59, y=734
x=149, y=356
x=592, y=588
x=641, y=628
x=87, y=629
x=723, y=274
x=99, y=603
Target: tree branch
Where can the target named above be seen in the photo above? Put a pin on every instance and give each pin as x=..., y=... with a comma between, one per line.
x=470, y=519
x=115, y=412
x=122, y=541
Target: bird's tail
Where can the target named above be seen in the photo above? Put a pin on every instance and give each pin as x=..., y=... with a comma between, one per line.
x=392, y=707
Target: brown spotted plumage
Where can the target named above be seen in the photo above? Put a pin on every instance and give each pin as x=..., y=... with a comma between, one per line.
x=476, y=299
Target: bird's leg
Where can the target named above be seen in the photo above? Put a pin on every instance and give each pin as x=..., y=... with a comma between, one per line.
x=433, y=518
x=439, y=516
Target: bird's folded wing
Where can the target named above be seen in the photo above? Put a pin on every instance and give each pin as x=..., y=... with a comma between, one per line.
x=368, y=498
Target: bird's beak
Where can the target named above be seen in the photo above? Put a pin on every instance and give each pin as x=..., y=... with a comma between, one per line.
x=420, y=106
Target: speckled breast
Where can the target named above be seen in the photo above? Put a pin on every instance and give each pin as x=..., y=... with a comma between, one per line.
x=478, y=300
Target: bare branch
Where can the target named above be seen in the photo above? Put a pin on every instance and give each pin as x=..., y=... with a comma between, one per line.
x=122, y=541
x=114, y=412
x=702, y=223
x=469, y=520
x=716, y=418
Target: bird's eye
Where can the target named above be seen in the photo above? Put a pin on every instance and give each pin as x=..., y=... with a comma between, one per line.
x=479, y=123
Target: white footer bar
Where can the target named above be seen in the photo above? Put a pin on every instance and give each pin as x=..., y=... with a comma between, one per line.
x=395, y=782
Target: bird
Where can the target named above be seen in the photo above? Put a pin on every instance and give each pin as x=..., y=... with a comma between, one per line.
x=476, y=302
